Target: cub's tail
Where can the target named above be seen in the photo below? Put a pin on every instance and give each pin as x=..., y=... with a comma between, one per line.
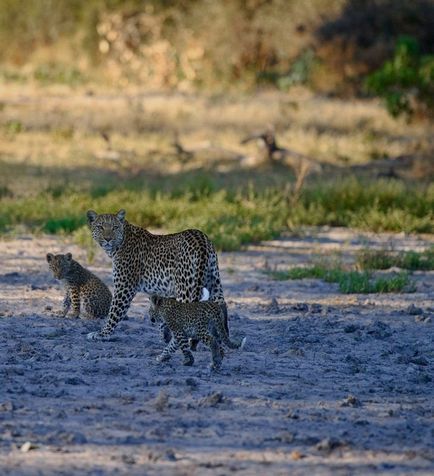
x=223, y=333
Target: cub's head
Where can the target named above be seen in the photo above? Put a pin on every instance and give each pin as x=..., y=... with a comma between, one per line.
x=155, y=308
x=107, y=229
x=59, y=264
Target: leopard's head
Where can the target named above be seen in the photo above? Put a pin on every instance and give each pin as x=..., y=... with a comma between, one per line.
x=59, y=264
x=107, y=229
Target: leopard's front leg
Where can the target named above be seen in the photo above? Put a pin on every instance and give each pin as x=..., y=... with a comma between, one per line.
x=119, y=306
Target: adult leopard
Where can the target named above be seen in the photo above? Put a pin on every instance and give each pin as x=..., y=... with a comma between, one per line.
x=178, y=265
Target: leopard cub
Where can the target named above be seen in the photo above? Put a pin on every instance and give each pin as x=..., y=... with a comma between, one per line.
x=203, y=320
x=81, y=286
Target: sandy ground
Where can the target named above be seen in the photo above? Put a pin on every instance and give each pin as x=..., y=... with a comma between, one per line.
x=327, y=384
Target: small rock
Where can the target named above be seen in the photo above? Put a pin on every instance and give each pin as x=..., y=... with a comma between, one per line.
x=328, y=444
x=6, y=407
x=414, y=310
x=292, y=415
x=128, y=459
x=70, y=438
x=315, y=308
x=379, y=330
x=169, y=455
x=295, y=351
x=296, y=455
x=422, y=378
x=75, y=381
x=161, y=401
x=286, y=437
x=212, y=400
x=423, y=319
x=35, y=287
x=48, y=308
x=301, y=306
x=351, y=401
x=191, y=382
x=351, y=328
x=27, y=446
x=419, y=360
x=273, y=307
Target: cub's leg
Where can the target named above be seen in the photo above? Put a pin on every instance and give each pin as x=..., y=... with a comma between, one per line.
x=90, y=309
x=75, y=299
x=216, y=357
x=182, y=341
x=168, y=351
x=213, y=331
x=66, y=303
x=165, y=334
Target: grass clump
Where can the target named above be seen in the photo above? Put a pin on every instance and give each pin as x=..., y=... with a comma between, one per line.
x=230, y=220
x=231, y=215
x=350, y=282
x=382, y=259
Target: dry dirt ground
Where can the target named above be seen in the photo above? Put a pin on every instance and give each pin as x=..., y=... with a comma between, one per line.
x=327, y=384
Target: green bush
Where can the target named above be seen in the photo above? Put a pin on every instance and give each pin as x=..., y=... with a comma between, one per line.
x=406, y=82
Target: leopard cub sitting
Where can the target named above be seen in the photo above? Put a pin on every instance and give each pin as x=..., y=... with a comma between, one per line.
x=203, y=320
x=80, y=286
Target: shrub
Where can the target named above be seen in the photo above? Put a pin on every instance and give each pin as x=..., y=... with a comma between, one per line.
x=406, y=82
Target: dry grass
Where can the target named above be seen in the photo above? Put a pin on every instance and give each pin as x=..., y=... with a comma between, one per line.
x=70, y=149
x=56, y=127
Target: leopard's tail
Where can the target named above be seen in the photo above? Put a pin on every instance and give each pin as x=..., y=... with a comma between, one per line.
x=212, y=280
x=214, y=285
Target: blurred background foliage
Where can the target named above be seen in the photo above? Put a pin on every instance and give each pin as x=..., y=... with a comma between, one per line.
x=331, y=46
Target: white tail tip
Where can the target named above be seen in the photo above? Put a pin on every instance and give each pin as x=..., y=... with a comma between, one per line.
x=243, y=343
x=205, y=295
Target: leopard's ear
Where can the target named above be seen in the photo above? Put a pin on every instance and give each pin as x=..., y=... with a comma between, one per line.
x=68, y=256
x=155, y=300
x=91, y=215
x=50, y=257
x=121, y=215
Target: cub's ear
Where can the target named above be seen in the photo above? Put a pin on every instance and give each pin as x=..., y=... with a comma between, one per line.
x=121, y=215
x=155, y=300
x=68, y=256
x=91, y=215
x=50, y=257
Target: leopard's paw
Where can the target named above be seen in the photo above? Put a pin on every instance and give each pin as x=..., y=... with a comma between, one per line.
x=163, y=358
x=95, y=336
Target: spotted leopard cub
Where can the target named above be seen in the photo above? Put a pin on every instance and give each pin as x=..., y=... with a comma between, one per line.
x=203, y=320
x=81, y=286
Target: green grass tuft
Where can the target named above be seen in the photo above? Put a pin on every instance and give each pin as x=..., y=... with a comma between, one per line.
x=350, y=282
x=382, y=259
x=232, y=216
